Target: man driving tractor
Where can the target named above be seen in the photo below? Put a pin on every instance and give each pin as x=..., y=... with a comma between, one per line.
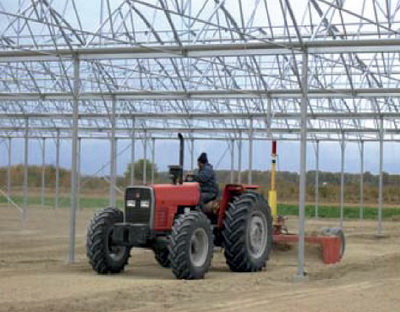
x=205, y=176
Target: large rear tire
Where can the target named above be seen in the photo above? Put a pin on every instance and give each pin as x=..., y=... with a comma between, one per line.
x=248, y=233
x=103, y=256
x=191, y=246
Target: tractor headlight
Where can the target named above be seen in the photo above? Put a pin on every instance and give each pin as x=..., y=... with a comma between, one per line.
x=145, y=204
x=130, y=203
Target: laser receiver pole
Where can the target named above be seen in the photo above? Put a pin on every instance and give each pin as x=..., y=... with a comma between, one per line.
x=272, y=198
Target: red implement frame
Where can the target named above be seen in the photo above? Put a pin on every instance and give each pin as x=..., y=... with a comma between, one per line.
x=330, y=245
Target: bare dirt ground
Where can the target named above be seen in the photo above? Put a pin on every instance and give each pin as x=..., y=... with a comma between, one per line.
x=34, y=275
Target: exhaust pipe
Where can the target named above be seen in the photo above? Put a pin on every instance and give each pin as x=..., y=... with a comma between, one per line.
x=181, y=156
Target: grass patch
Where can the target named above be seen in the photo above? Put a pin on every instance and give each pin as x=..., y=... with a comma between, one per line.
x=334, y=212
x=326, y=211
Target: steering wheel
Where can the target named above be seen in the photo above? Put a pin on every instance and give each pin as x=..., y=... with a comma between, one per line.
x=189, y=177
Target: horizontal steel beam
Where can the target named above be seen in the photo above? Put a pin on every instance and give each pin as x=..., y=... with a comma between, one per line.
x=209, y=130
x=203, y=50
x=160, y=138
x=205, y=115
x=205, y=94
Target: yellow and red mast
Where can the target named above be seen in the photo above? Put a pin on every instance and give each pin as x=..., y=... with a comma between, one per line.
x=272, y=197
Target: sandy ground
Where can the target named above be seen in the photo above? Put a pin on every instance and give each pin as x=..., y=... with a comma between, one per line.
x=34, y=275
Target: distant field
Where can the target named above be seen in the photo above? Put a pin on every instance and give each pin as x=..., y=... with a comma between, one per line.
x=325, y=211
x=334, y=211
x=63, y=201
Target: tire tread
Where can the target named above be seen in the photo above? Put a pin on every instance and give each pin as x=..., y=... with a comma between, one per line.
x=178, y=244
x=234, y=232
x=95, y=246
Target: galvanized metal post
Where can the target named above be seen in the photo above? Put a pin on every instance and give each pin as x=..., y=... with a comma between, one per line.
x=25, y=183
x=43, y=171
x=57, y=195
x=362, y=180
x=9, y=172
x=232, y=160
x=303, y=163
x=192, y=155
x=113, y=155
x=78, y=185
x=74, y=166
x=145, y=158
x=316, y=178
x=113, y=173
x=240, y=159
x=116, y=170
x=250, y=173
x=380, y=198
x=132, y=180
x=269, y=117
x=153, y=159
x=342, y=149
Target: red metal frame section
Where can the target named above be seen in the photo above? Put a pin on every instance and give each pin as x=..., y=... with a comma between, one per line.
x=230, y=191
x=330, y=245
x=168, y=198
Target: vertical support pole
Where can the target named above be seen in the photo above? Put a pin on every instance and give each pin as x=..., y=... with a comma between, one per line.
x=240, y=159
x=43, y=171
x=342, y=149
x=132, y=182
x=362, y=180
x=232, y=160
x=101, y=21
x=192, y=155
x=316, y=178
x=78, y=185
x=269, y=117
x=250, y=173
x=25, y=186
x=57, y=195
x=113, y=155
x=9, y=171
x=303, y=162
x=116, y=170
x=145, y=158
x=113, y=168
x=74, y=169
x=380, y=198
x=153, y=159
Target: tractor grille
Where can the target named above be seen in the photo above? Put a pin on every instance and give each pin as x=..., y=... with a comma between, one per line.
x=138, y=205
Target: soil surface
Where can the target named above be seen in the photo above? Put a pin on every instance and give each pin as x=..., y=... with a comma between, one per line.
x=34, y=275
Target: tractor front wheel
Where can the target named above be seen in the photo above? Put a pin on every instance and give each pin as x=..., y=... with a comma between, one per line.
x=247, y=233
x=161, y=254
x=103, y=255
x=191, y=246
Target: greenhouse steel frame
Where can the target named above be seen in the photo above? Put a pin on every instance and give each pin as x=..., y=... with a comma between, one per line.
x=231, y=70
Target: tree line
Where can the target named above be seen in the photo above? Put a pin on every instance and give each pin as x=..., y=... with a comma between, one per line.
x=287, y=182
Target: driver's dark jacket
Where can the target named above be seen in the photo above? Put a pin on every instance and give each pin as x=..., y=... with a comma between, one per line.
x=206, y=178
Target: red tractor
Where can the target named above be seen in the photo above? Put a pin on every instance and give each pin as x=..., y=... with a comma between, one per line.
x=171, y=220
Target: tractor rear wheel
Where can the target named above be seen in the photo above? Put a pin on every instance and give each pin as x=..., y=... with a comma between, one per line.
x=247, y=233
x=191, y=245
x=103, y=256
